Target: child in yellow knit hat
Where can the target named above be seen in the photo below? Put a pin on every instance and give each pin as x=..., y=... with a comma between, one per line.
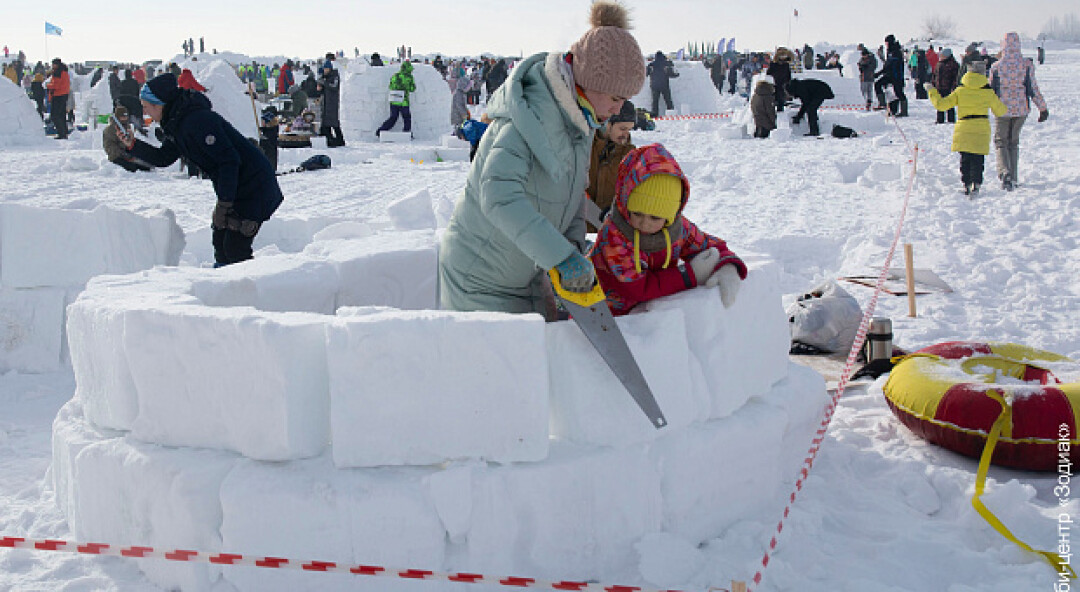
x=640, y=246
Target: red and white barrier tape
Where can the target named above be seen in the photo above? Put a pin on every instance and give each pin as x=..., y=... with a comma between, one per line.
x=860, y=339
x=310, y=566
x=694, y=116
x=844, y=107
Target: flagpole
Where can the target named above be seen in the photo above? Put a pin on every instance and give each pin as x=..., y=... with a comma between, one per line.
x=789, y=19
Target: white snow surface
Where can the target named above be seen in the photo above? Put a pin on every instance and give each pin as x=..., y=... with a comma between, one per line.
x=881, y=510
x=19, y=121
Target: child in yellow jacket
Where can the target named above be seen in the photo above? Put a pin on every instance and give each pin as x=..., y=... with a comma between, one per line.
x=971, y=137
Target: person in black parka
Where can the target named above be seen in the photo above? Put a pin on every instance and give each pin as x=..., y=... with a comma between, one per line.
x=497, y=76
x=811, y=93
x=329, y=88
x=114, y=84
x=247, y=190
x=922, y=73
x=780, y=70
x=716, y=73
x=892, y=73
x=660, y=72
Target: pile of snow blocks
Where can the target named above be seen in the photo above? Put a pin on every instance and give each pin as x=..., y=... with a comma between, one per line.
x=317, y=405
x=47, y=256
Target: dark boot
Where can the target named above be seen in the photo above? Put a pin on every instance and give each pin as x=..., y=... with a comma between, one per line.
x=903, y=108
x=894, y=107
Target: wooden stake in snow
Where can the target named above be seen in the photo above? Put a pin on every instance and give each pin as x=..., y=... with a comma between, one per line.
x=909, y=262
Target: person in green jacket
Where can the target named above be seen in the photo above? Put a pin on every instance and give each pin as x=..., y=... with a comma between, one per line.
x=522, y=212
x=401, y=84
x=971, y=136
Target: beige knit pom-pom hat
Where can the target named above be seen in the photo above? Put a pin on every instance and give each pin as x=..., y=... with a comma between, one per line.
x=607, y=58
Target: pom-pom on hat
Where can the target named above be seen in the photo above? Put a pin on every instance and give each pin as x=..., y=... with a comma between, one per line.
x=658, y=195
x=607, y=58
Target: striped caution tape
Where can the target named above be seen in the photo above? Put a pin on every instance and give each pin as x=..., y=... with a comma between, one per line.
x=694, y=116
x=139, y=552
x=849, y=366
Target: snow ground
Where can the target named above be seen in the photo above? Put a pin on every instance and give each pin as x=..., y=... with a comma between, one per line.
x=882, y=509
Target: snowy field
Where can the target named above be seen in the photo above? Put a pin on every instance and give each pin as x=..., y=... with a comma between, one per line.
x=882, y=509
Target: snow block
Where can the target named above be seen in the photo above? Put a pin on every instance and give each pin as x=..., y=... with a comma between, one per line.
x=413, y=212
x=371, y=517
x=480, y=389
x=229, y=379
x=276, y=284
x=734, y=459
x=30, y=324
x=589, y=403
x=101, y=241
x=397, y=269
x=395, y=137
x=126, y=492
x=573, y=516
x=95, y=336
x=742, y=350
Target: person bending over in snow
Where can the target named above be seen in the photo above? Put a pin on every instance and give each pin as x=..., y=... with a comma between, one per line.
x=971, y=136
x=639, y=248
x=522, y=213
x=247, y=190
x=811, y=94
x=472, y=131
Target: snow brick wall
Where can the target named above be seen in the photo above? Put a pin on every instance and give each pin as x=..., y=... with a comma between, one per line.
x=42, y=270
x=285, y=406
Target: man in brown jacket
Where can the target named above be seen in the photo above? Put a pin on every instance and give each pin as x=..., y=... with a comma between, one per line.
x=114, y=148
x=610, y=144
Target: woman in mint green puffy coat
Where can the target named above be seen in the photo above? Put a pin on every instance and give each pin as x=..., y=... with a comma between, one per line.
x=522, y=211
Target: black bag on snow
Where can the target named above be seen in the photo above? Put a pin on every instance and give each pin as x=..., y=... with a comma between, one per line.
x=839, y=131
x=319, y=161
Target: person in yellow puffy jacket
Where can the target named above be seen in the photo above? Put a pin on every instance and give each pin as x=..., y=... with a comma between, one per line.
x=971, y=136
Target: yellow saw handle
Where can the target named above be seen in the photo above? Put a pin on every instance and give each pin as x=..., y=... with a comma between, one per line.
x=586, y=299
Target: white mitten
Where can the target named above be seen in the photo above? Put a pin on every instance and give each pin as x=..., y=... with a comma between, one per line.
x=704, y=264
x=727, y=277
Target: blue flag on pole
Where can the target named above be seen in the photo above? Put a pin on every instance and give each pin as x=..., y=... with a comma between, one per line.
x=679, y=54
x=51, y=29
x=731, y=44
x=720, y=46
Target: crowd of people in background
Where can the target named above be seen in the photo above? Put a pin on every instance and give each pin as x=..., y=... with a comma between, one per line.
x=312, y=88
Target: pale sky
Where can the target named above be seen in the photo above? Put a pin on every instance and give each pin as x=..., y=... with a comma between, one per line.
x=123, y=30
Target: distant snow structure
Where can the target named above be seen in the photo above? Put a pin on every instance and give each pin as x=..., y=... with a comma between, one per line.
x=38, y=278
x=227, y=94
x=19, y=121
x=365, y=103
x=691, y=93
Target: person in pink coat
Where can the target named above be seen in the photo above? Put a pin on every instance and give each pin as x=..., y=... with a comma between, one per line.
x=1013, y=79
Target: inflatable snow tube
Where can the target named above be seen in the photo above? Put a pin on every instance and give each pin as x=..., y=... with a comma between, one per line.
x=952, y=393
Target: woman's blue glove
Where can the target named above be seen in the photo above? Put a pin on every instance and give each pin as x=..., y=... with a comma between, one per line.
x=576, y=273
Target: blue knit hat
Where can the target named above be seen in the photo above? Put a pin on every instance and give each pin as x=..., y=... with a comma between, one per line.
x=160, y=90
x=148, y=95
